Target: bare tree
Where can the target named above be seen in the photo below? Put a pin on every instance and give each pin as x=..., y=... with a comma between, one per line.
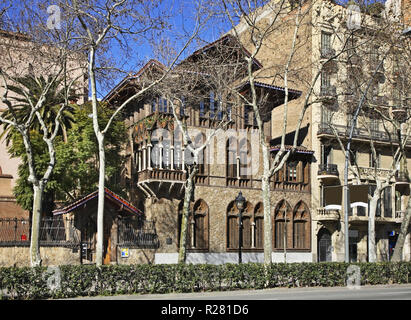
x=194, y=84
x=101, y=24
x=24, y=105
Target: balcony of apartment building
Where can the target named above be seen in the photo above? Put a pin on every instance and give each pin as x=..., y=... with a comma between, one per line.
x=327, y=171
x=327, y=129
x=389, y=209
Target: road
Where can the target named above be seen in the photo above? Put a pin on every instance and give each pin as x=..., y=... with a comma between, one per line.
x=379, y=292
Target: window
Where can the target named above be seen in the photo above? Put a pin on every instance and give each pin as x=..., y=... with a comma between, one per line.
x=212, y=105
x=387, y=202
x=291, y=171
x=245, y=158
x=259, y=226
x=282, y=219
x=292, y=230
x=197, y=227
x=231, y=157
x=202, y=109
x=301, y=227
x=202, y=161
x=233, y=227
x=325, y=42
x=325, y=80
x=154, y=105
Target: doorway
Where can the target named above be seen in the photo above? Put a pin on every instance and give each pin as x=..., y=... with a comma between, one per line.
x=324, y=246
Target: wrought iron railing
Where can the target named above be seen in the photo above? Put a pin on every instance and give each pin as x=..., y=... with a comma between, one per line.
x=54, y=231
x=328, y=169
x=138, y=234
x=360, y=133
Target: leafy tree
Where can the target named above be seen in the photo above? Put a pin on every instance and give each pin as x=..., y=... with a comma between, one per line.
x=76, y=171
x=31, y=88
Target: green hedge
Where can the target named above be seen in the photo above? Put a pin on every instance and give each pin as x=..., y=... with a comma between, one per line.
x=89, y=280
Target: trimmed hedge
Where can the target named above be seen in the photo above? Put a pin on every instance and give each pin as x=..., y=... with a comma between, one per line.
x=89, y=280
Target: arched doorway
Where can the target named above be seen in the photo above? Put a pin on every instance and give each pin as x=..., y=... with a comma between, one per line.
x=324, y=246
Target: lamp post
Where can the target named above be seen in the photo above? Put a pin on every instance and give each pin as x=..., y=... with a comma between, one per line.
x=240, y=201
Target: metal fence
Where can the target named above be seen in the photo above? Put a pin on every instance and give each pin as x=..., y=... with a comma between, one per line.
x=60, y=231
x=54, y=231
x=141, y=234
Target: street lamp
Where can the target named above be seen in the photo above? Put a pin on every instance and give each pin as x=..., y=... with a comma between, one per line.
x=240, y=201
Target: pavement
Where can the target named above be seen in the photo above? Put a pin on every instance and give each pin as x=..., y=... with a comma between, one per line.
x=376, y=292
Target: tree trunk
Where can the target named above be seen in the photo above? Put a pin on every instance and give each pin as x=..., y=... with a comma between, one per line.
x=372, y=254
x=397, y=255
x=100, y=206
x=189, y=188
x=35, y=257
x=265, y=186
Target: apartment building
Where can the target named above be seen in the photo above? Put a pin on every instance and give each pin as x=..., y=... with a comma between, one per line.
x=336, y=94
x=20, y=57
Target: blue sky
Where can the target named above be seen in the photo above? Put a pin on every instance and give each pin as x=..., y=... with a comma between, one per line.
x=181, y=15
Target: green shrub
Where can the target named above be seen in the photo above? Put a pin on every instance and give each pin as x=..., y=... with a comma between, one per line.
x=89, y=280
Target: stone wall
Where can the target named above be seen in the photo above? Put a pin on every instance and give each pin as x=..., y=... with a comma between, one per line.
x=51, y=256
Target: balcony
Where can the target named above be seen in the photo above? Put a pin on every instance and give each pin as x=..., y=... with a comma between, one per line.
x=401, y=178
x=325, y=129
x=399, y=216
x=328, y=92
x=327, y=171
x=328, y=214
x=327, y=53
x=161, y=175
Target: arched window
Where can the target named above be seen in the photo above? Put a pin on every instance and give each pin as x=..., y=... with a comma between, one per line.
x=231, y=157
x=282, y=225
x=259, y=226
x=244, y=152
x=301, y=226
x=202, y=158
x=199, y=222
x=197, y=225
x=233, y=227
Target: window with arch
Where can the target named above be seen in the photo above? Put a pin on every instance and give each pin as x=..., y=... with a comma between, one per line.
x=233, y=226
x=231, y=157
x=259, y=226
x=282, y=225
x=301, y=226
x=197, y=225
x=202, y=156
x=244, y=153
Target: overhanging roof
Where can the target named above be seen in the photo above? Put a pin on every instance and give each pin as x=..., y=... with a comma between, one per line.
x=108, y=194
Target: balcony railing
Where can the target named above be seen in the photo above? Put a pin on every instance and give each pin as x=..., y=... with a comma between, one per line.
x=54, y=231
x=141, y=236
x=328, y=169
x=162, y=175
x=328, y=91
x=359, y=133
x=328, y=214
x=327, y=53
